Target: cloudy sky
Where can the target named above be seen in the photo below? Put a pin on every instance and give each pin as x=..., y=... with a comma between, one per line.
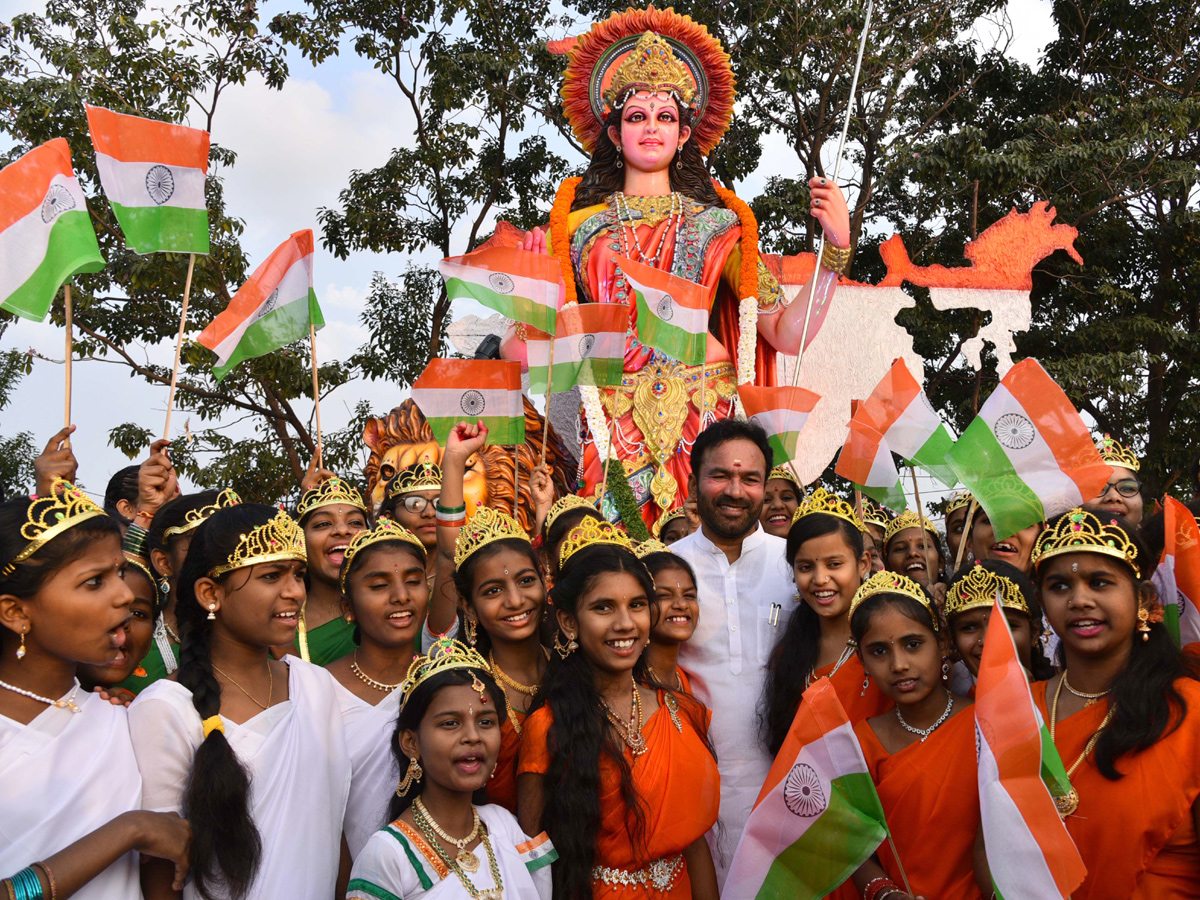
x=296, y=149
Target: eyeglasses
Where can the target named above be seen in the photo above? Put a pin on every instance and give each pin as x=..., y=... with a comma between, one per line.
x=416, y=504
x=1126, y=487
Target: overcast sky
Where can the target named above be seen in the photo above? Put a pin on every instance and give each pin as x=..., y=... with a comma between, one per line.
x=296, y=149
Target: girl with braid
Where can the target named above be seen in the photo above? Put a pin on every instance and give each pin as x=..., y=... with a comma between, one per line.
x=250, y=748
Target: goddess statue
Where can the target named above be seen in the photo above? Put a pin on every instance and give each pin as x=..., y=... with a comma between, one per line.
x=649, y=93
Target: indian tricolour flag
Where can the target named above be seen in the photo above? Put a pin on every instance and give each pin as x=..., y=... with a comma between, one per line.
x=866, y=460
x=1029, y=852
x=899, y=409
x=782, y=412
x=818, y=816
x=672, y=312
x=153, y=175
x=450, y=391
x=520, y=284
x=1178, y=574
x=275, y=307
x=1028, y=456
x=589, y=348
x=46, y=233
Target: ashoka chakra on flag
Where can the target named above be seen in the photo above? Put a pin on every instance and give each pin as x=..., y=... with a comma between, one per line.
x=501, y=283
x=586, y=345
x=1014, y=431
x=160, y=184
x=802, y=791
x=472, y=403
x=58, y=201
x=665, y=308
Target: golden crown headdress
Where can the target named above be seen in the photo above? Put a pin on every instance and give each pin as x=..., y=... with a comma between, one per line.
x=645, y=548
x=330, y=492
x=144, y=567
x=565, y=504
x=959, y=500
x=669, y=516
x=654, y=67
x=445, y=654
x=821, y=501
x=193, y=518
x=420, y=476
x=273, y=541
x=910, y=518
x=978, y=588
x=785, y=473
x=47, y=517
x=1116, y=454
x=893, y=583
x=1080, y=531
x=386, y=530
x=485, y=527
x=873, y=513
x=589, y=532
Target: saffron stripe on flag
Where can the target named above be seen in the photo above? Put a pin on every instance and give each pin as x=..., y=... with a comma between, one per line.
x=138, y=139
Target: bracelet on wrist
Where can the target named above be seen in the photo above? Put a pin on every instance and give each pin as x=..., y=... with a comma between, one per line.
x=878, y=888
x=49, y=879
x=25, y=885
x=449, y=510
x=836, y=259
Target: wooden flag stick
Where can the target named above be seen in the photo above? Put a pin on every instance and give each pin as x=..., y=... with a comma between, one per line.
x=858, y=503
x=962, y=542
x=187, y=291
x=312, y=341
x=899, y=865
x=70, y=352
x=921, y=525
x=549, y=384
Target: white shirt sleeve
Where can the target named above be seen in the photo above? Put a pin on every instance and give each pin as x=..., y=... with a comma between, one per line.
x=166, y=732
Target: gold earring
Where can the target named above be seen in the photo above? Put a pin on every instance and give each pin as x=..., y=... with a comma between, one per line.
x=1143, y=623
x=212, y=612
x=21, y=649
x=411, y=776
x=472, y=631
x=564, y=649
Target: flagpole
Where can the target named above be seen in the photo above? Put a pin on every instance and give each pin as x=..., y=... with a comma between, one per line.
x=549, y=385
x=70, y=352
x=187, y=291
x=837, y=165
x=899, y=865
x=921, y=525
x=962, y=543
x=312, y=340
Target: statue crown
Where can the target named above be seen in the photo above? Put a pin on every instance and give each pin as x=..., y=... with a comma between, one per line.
x=1080, y=531
x=652, y=66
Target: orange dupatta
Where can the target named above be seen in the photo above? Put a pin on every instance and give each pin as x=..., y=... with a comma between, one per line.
x=502, y=786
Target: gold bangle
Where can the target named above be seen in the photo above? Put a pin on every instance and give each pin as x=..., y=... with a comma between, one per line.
x=835, y=259
x=49, y=878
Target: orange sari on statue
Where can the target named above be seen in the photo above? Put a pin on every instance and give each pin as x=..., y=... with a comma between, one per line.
x=502, y=786
x=1137, y=835
x=930, y=794
x=679, y=785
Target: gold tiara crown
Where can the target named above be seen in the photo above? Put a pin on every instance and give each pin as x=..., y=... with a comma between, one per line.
x=445, y=654
x=485, y=527
x=910, y=518
x=273, y=541
x=978, y=588
x=1116, y=454
x=566, y=503
x=645, y=548
x=194, y=517
x=652, y=66
x=49, y=516
x=420, y=476
x=1080, y=531
x=592, y=531
x=669, y=516
x=893, y=583
x=873, y=514
x=785, y=473
x=386, y=530
x=821, y=501
x=330, y=492
x=959, y=500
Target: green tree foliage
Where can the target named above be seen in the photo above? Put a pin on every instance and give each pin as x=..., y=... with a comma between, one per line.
x=16, y=451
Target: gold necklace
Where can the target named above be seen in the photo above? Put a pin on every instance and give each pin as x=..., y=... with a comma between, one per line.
x=527, y=690
x=465, y=857
x=1090, y=698
x=655, y=676
x=368, y=680
x=631, y=731
x=425, y=824
x=270, y=685
x=1069, y=802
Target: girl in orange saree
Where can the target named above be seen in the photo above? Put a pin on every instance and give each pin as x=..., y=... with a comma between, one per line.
x=618, y=773
x=1124, y=714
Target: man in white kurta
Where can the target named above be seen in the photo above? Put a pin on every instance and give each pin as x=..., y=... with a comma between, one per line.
x=746, y=594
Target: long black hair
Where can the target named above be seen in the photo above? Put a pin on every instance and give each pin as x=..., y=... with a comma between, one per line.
x=603, y=178
x=122, y=486
x=579, y=736
x=464, y=581
x=226, y=844
x=795, y=653
x=415, y=706
x=1146, y=704
x=665, y=559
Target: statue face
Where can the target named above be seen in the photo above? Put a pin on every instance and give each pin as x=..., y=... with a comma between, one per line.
x=650, y=132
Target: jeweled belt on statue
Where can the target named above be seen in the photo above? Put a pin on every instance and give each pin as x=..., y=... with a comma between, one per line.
x=659, y=874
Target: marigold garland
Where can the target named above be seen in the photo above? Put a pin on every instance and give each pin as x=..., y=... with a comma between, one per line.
x=748, y=286
x=560, y=240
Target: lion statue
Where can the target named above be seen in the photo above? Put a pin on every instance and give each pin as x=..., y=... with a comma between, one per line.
x=404, y=437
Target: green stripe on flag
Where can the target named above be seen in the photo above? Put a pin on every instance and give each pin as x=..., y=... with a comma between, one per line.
x=1171, y=620
x=1054, y=774
x=892, y=497
x=834, y=846
x=501, y=429
x=932, y=456
x=72, y=248
x=982, y=465
x=602, y=372
x=276, y=329
x=784, y=445
x=522, y=309
x=672, y=340
x=154, y=229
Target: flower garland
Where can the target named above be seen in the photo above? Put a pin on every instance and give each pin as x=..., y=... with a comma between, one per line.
x=598, y=425
x=748, y=284
x=626, y=503
x=560, y=240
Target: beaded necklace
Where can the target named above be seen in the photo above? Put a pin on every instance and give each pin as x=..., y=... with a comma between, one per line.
x=628, y=227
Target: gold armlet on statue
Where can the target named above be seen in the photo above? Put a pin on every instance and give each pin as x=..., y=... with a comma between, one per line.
x=835, y=259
